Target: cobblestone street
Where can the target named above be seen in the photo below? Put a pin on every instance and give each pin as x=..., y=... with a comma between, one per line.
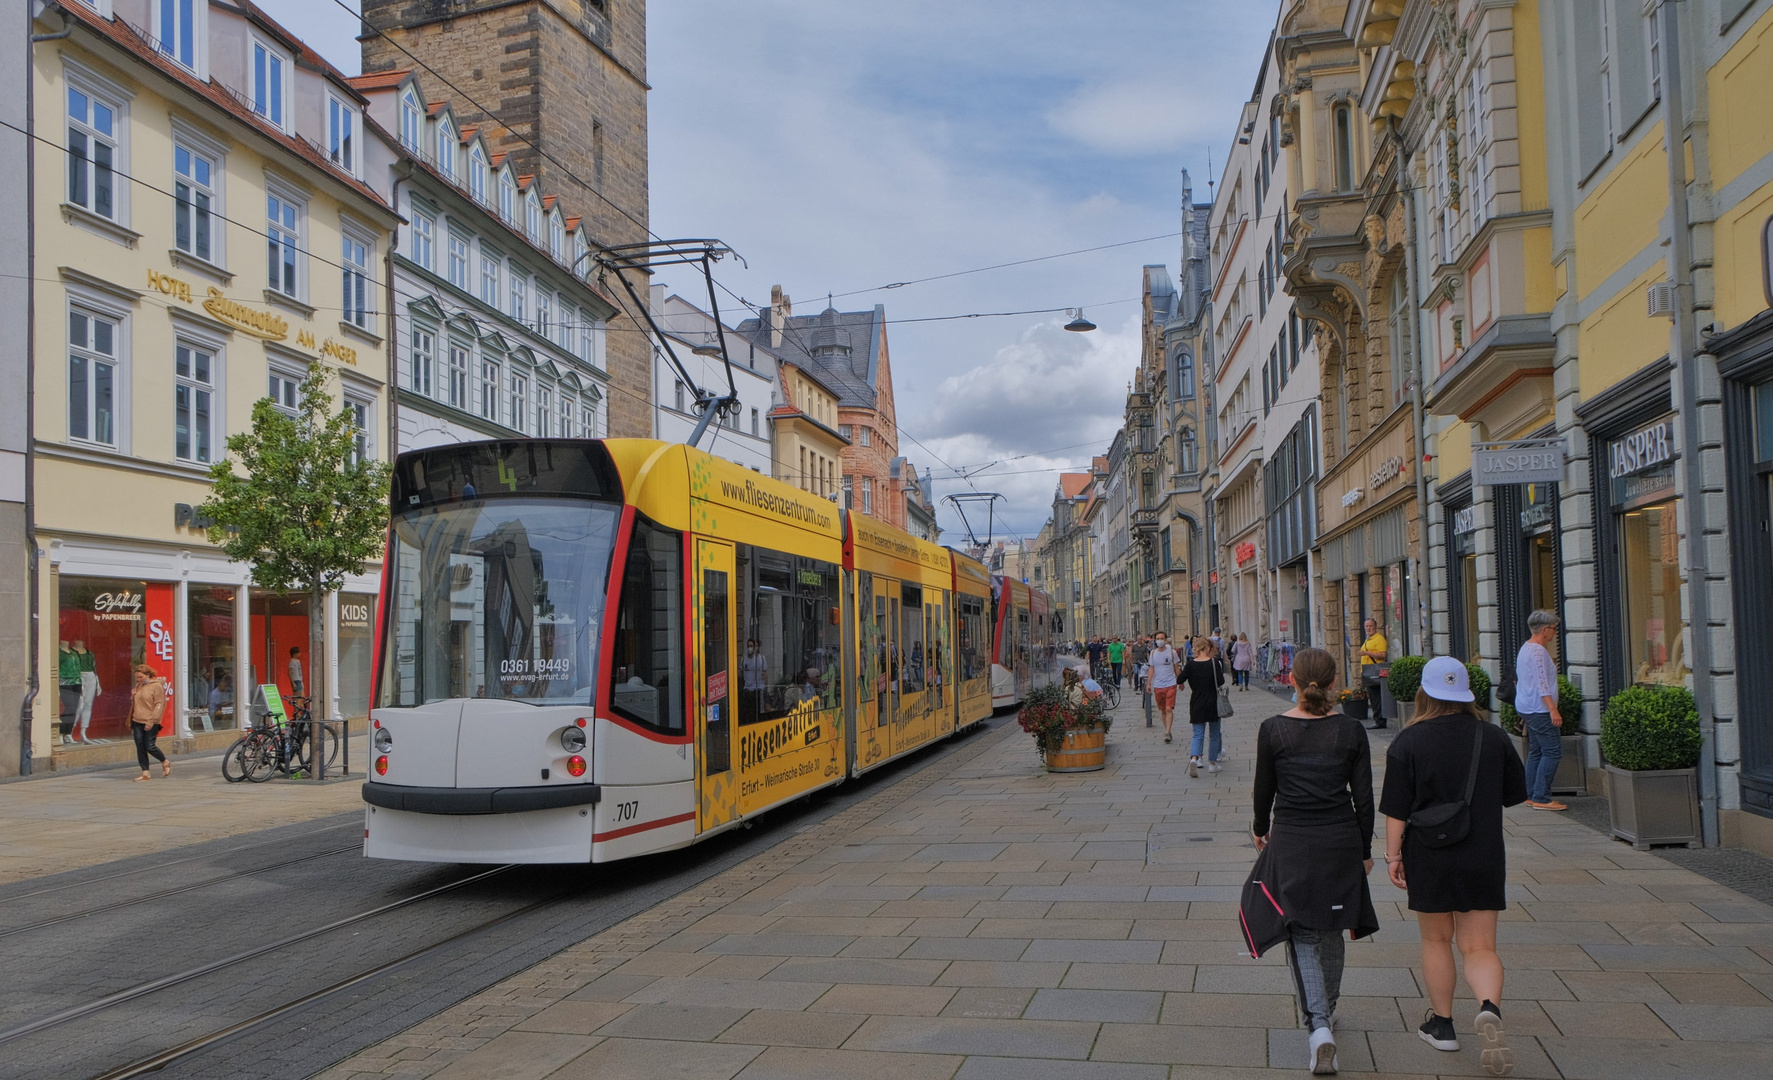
x=987, y=919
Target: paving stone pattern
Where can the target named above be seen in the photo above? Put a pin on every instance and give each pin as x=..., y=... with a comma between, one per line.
x=986, y=919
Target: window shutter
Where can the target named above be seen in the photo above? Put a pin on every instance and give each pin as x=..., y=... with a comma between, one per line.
x=1591, y=121
x=1631, y=62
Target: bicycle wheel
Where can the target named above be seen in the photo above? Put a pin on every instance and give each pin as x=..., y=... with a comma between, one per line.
x=233, y=764
x=258, y=758
x=1111, y=694
x=329, y=741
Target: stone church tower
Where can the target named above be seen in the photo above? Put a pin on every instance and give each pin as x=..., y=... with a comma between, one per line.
x=566, y=80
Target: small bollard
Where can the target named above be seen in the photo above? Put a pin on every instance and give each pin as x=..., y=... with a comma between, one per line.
x=1147, y=696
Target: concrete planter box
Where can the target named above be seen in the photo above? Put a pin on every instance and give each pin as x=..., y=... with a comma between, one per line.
x=1406, y=711
x=1572, y=776
x=1388, y=705
x=1659, y=806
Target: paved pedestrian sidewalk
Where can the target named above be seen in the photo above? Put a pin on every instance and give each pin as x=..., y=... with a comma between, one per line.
x=54, y=823
x=985, y=919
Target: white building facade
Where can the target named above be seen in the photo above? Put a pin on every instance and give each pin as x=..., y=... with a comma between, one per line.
x=741, y=434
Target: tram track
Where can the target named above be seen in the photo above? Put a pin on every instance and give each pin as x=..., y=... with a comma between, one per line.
x=488, y=948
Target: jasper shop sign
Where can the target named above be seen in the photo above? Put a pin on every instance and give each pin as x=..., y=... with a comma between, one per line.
x=1528, y=461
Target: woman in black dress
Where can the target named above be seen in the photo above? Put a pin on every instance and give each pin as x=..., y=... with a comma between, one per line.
x=1314, y=780
x=1205, y=674
x=1456, y=890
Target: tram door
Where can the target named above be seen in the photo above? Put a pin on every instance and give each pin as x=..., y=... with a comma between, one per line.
x=941, y=661
x=718, y=686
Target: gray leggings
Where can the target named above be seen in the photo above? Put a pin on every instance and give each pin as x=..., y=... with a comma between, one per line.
x=1315, y=957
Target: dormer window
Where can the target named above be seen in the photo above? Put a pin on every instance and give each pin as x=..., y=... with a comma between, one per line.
x=556, y=237
x=341, y=135
x=270, y=74
x=508, y=196
x=532, y=213
x=477, y=174
x=412, y=121
x=446, y=148
x=581, y=253
x=179, y=31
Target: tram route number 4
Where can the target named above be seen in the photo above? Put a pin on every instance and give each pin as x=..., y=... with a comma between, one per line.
x=627, y=811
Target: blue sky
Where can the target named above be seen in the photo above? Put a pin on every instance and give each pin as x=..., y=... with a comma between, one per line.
x=841, y=146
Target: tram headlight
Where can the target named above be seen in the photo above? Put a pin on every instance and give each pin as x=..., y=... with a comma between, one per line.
x=572, y=740
x=574, y=765
x=382, y=765
x=383, y=740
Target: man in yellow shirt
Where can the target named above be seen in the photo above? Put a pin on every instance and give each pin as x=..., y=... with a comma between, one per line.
x=1373, y=655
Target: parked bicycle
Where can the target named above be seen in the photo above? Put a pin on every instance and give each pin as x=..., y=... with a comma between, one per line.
x=280, y=745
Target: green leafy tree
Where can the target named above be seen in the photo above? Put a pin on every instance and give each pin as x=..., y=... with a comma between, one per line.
x=296, y=500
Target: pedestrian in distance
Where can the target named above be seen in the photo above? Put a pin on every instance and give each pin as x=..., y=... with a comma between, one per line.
x=147, y=705
x=1373, y=655
x=297, y=684
x=1314, y=828
x=1205, y=675
x=1095, y=655
x=1218, y=640
x=1141, y=654
x=1243, y=659
x=1448, y=776
x=1166, y=663
x=1536, y=700
x=1117, y=654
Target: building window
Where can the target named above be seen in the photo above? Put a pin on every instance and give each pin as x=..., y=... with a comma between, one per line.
x=422, y=232
x=477, y=174
x=581, y=254
x=92, y=378
x=360, y=413
x=1344, y=149
x=341, y=135
x=1606, y=67
x=848, y=484
x=867, y=435
x=193, y=403
x=519, y=401
x=489, y=278
x=193, y=197
x=588, y=420
x=532, y=217
x=458, y=377
x=424, y=361
x=507, y=195
x=867, y=495
x=458, y=262
x=544, y=411
x=489, y=390
x=285, y=391
x=754, y=421
x=556, y=237
x=268, y=74
x=544, y=313
x=92, y=153
x=1653, y=24
x=178, y=30
x=568, y=409
x=359, y=299
x=285, y=240
x=846, y=431
x=412, y=121
x=677, y=395
x=1402, y=338
x=446, y=149
x=519, y=296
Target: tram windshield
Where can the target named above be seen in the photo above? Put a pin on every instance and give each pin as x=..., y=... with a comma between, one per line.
x=497, y=598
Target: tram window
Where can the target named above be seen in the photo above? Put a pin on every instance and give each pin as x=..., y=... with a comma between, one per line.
x=795, y=618
x=868, y=641
x=648, y=661
x=972, y=635
x=718, y=746
x=911, y=639
x=938, y=649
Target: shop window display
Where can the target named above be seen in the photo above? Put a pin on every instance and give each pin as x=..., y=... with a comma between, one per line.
x=210, y=626
x=105, y=627
x=356, y=652
x=1652, y=582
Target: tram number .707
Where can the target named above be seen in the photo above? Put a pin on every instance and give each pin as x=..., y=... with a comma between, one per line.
x=627, y=811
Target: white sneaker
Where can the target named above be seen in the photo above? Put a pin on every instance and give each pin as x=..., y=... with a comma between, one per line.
x=1194, y=766
x=1323, y=1052
x=1214, y=766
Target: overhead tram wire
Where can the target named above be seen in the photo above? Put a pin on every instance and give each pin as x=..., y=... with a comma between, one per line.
x=1005, y=265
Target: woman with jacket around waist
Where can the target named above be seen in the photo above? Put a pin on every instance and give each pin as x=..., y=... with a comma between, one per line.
x=1243, y=660
x=1456, y=890
x=1314, y=822
x=1205, y=675
x=147, y=704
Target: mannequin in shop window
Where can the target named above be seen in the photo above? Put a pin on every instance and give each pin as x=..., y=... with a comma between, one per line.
x=89, y=692
x=68, y=676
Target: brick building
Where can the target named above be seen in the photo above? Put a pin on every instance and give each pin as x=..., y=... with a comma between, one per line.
x=567, y=81
x=846, y=351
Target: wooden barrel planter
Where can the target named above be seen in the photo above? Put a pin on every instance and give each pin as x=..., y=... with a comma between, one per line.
x=1084, y=750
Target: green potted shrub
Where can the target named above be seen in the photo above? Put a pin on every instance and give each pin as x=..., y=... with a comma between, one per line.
x=1403, y=681
x=1572, y=777
x=1480, y=684
x=1069, y=736
x=1650, y=741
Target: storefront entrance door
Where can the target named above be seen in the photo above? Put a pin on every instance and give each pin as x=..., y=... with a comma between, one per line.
x=279, y=624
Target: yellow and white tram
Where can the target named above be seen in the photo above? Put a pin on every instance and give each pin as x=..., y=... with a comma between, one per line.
x=590, y=650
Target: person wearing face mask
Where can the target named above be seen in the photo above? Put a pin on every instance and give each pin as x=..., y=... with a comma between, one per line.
x=1164, y=665
x=752, y=673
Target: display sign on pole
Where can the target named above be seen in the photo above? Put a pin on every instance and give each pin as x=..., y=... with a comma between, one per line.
x=1523, y=461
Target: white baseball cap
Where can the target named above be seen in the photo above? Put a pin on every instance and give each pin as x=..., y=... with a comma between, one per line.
x=1446, y=678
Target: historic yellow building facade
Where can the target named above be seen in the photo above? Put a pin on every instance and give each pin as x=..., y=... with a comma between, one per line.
x=208, y=224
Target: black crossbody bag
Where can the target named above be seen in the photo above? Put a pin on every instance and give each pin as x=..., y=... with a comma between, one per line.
x=1445, y=824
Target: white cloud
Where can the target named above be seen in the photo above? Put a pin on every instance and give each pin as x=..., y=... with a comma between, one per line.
x=1135, y=116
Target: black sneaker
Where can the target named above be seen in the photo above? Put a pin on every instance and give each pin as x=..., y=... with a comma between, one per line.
x=1437, y=1031
x=1498, y=1059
